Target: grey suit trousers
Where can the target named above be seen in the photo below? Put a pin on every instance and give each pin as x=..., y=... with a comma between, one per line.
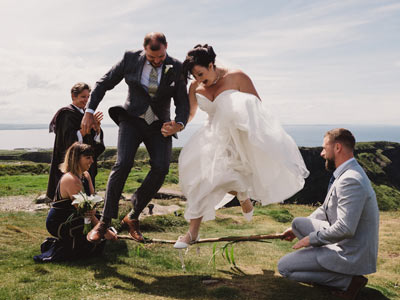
x=302, y=265
x=130, y=135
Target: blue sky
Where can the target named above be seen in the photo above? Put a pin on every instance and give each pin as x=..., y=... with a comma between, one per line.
x=312, y=62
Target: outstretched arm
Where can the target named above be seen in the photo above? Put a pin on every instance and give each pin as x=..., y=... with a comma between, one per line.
x=107, y=82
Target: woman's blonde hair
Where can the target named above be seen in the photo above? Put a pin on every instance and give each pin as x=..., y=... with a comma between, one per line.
x=72, y=156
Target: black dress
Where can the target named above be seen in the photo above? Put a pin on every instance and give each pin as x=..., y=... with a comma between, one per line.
x=66, y=227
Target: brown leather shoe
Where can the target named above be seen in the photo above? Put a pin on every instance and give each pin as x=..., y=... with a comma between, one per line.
x=97, y=233
x=356, y=284
x=133, y=228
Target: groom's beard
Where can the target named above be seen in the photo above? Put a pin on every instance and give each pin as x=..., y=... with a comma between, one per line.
x=330, y=164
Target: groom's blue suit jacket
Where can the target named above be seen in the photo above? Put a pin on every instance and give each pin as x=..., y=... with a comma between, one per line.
x=172, y=85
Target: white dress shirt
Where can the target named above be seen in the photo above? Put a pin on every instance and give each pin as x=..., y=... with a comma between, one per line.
x=79, y=134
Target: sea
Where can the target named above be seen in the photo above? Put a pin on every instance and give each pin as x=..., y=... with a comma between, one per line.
x=37, y=136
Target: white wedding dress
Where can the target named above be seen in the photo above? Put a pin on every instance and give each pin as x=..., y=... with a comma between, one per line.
x=241, y=148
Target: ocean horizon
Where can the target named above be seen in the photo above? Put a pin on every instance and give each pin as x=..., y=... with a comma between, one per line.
x=37, y=136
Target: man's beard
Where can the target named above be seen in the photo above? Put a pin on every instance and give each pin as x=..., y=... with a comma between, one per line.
x=330, y=164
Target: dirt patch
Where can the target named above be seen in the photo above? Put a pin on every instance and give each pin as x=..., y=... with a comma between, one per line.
x=27, y=203
x=21, y=203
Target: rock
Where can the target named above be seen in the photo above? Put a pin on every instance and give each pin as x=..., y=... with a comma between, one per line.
x=158, y=210
x=43, y=199
x=41, y=207
x=164, y=193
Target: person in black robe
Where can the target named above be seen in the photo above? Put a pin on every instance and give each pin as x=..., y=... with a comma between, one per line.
x=66, y=124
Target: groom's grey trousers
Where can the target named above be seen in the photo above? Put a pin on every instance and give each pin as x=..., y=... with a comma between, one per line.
x=302, y=265
x=130, y=135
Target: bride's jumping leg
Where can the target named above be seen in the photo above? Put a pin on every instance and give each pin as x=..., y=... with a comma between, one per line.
x=245, y=202
x=191, y=236
x=247, y=206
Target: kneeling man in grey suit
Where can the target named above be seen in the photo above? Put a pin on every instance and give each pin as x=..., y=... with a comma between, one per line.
x=340, y=238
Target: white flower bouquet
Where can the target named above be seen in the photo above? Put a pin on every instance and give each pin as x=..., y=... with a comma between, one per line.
x=84, y=204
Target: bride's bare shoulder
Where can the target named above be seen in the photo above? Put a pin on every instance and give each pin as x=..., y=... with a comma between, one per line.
x=237, y=75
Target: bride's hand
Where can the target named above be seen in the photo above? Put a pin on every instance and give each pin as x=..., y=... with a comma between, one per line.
x=170, y=128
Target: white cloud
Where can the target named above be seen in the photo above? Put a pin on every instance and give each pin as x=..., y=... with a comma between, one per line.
x=302, y=56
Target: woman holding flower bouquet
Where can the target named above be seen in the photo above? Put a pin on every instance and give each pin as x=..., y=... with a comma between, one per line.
x=73, y=204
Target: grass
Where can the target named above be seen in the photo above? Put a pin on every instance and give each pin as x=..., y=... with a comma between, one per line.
x=27, y=181
x=23, y=184
x=128, y=270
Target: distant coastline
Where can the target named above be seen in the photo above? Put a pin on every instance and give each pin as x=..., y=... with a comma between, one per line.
x=32, y=126
x=37, y=136
x=9, y=126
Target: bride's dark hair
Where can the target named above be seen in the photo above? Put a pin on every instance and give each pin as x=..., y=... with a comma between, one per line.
x=201, y=55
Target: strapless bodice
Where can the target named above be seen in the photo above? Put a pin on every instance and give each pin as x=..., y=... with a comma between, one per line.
x=209, y=106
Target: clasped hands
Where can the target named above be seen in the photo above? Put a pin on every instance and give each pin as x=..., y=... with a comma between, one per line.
x=170, y=128
x=289, y=236
x=91, y=121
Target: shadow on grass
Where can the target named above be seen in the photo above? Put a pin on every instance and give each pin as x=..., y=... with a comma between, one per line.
x=238, y=286
x=225, y=284
x=112, y=253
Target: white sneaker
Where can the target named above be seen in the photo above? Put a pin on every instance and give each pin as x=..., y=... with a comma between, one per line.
x=182, y=245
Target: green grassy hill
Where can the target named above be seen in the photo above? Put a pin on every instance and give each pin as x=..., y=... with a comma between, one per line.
x=381, y=161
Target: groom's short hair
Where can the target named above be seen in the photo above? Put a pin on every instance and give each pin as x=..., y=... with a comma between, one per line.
x=342, y=136
x=154, y=40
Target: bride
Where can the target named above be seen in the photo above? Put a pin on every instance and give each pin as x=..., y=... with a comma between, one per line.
x=241, y=150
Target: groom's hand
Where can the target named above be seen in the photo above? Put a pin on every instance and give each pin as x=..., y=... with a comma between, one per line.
x=87, y=123
x=304, y=242
x=170, y=128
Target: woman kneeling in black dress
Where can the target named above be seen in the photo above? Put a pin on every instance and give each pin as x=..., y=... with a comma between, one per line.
x=63, y=222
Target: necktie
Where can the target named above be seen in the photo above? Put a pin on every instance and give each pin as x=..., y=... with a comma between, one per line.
x=149, y=115
x=331, y=182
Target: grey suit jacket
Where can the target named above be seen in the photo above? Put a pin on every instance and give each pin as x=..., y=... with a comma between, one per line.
x=350, y=244
x=172, y=85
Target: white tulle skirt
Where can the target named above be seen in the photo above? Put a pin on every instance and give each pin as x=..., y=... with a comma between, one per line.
x=242, y=148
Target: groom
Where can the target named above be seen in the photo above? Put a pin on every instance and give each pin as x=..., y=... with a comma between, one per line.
x=340, y=238
x=153, y=78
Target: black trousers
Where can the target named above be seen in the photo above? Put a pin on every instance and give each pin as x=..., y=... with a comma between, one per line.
x=131, y=134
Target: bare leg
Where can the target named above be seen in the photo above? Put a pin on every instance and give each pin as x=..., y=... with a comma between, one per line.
x=194, y=227
x=246, y=205
x=244, y=201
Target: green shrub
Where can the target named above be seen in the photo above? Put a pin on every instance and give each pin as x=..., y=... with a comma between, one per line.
x=388, y=198
x=280, y=215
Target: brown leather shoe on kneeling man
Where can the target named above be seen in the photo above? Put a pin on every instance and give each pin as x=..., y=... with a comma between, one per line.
x=356, y=284
x=97, y=233
x=133, y=228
